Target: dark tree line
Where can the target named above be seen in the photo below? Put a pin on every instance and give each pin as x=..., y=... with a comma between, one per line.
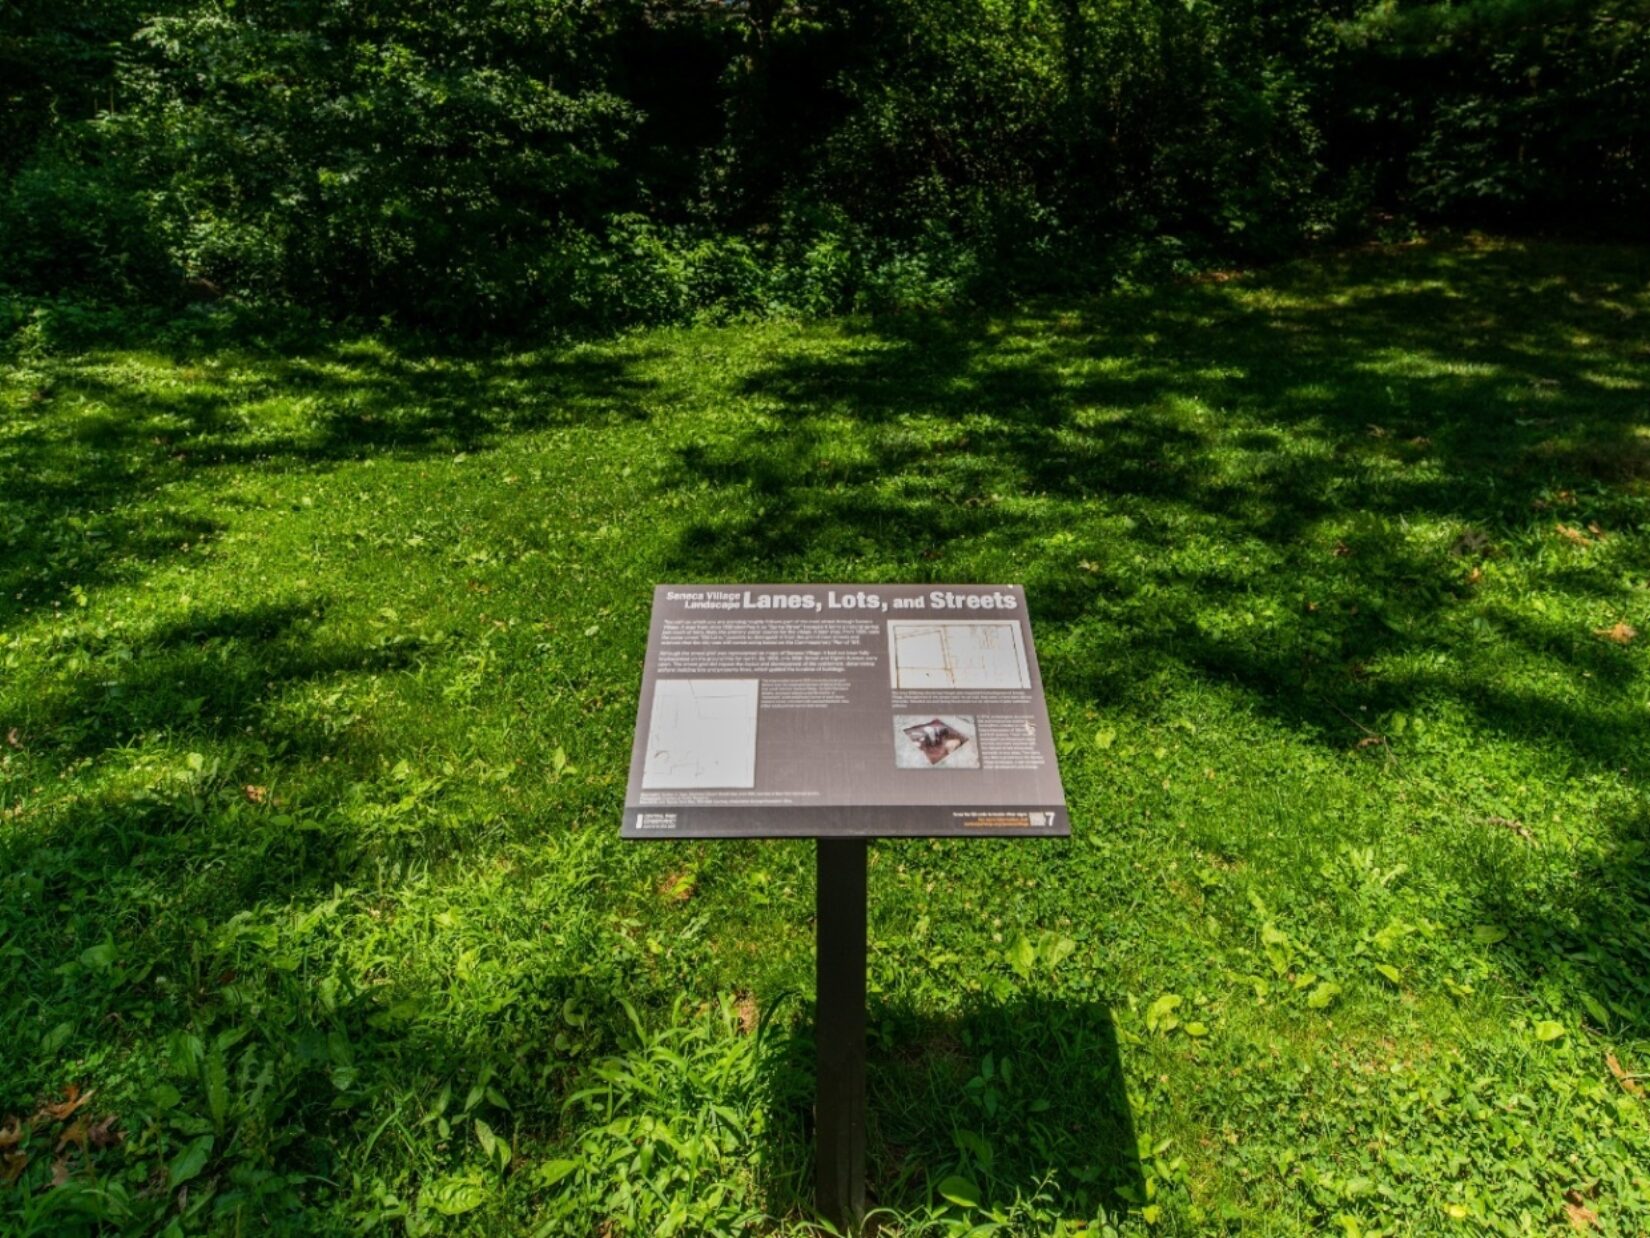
x=524, y=162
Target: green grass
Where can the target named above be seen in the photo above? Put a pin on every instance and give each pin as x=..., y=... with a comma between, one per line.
x=317, y=676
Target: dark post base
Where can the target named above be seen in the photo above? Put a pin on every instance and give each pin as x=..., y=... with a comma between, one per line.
x=839, y=1030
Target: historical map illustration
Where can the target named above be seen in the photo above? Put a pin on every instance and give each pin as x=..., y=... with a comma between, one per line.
x=703, y=734
x=961, y=654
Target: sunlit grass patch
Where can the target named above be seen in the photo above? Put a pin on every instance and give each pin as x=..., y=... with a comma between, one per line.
x=317, y=676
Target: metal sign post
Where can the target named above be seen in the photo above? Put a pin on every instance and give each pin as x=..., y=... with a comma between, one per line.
x=842, y=713
x=839, y=1032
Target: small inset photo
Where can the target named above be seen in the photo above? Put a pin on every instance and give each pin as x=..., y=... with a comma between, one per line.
x=923, y=741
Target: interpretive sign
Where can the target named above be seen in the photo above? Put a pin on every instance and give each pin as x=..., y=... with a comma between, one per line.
x=842, y=711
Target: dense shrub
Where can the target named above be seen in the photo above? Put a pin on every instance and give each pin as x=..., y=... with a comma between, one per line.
x=506, y=163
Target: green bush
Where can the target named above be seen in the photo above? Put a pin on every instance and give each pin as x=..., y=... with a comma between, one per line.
x=69, y=220
x=511, y=165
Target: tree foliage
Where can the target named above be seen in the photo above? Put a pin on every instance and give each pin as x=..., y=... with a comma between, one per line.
x=506, y=162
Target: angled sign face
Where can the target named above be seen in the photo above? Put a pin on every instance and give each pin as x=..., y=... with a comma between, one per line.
x=842, y=711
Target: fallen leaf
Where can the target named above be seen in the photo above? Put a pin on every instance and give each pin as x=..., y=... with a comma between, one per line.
x=1629, y=1084
x=1471, y=542
x=1513, y=824
x=11, y=1134
x=1592, y=527
x=1474, y=576
x=745, y=1009
x=1620, y=634
x=1580, y=1215
x=60, y=1171
x=12, y=1165
x=12, y=738
x=73, y=1098
x=255, y=795
x=76, y=1134
x=103, y=1134
x=678, y=887
x=1574, y=536
x=1342, y=550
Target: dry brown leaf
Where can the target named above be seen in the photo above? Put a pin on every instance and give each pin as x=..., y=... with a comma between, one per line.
x=1471, y=542
x=11, y=1134
x=1513, y=824
x=60, y=1171
x=1574, y=536
x=1629, y=1084
x=255, y=795
x=103, y=1134
x=1580, y=1215
x=73, y=1098
x=1218, y=276
x=745, y=1008
x=677, y=887
x=12, y=1165
x=1475, y=576
x=76, y=1134
x=1620, y=634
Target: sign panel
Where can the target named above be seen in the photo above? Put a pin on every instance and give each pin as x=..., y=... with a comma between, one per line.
x=853, y=711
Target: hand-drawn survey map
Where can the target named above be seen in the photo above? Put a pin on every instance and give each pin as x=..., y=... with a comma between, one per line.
x=982, y=655
x=703, y=734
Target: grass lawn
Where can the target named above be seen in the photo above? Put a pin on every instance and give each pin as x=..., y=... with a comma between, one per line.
x=318, y=667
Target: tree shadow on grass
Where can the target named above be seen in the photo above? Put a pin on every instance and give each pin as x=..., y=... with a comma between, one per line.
x=1593, y=934
x=88, y=451
x=1221, y=483
x=1022, y=1100
x=218, y=676
x=186, y=897
x=189, y=837
x=1294, y=428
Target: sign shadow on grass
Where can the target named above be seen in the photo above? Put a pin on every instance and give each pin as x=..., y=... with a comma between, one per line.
x=1019, y=1105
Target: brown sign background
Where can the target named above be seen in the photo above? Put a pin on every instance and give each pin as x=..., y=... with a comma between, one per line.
x=842, y=711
